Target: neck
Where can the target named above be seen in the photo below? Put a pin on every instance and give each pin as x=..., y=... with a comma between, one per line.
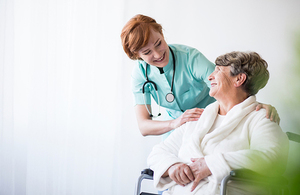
x=229, y=101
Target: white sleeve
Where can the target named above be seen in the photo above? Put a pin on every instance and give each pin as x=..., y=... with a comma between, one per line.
x=163, y=156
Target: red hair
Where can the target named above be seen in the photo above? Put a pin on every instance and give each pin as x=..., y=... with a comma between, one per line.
x=136, y=33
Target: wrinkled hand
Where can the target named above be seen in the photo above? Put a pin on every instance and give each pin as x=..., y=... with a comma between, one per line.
x=188, y=115
x=200, y=171
x=181, y=174
x=271, y=112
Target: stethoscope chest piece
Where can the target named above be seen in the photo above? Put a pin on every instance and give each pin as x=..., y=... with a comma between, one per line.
x=170, y=97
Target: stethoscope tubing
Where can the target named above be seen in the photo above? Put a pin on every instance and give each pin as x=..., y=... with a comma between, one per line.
x=169, y=97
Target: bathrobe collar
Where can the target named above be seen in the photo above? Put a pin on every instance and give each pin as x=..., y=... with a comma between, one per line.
x=231, y=120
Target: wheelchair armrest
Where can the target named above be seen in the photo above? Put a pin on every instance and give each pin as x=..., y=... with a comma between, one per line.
x=293, y=136
x=147, y=172
x=245, y=173
x=251, y=176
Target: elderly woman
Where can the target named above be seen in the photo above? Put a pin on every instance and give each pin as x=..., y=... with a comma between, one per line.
x=229, y=135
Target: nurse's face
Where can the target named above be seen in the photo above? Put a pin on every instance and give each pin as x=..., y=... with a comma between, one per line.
x=221, y=82
x=156, y=52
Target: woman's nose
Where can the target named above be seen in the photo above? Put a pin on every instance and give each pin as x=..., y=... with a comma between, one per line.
x=210, y=77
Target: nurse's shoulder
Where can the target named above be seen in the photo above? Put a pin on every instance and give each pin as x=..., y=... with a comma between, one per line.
x=139, y=69
x=185, y=50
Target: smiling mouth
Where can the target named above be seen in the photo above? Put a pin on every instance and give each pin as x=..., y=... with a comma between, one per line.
x=213, y=84
x=161, y=59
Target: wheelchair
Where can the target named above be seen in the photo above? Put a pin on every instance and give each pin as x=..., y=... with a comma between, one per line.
x=278, y=185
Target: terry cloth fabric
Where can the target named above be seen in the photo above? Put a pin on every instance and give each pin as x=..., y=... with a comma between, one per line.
x=245, y=139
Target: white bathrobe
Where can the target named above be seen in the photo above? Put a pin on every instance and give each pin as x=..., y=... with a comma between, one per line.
x=245, y=139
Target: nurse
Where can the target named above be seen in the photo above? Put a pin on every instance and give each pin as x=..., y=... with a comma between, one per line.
x=176, y=76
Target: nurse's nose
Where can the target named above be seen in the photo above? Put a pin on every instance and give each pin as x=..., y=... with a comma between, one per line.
x=156, y=54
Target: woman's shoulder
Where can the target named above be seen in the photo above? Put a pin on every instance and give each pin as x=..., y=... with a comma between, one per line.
x=257, y=114
x=187, y=128
x=258, y=118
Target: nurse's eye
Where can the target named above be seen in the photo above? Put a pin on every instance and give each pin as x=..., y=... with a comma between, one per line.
x=147, y=53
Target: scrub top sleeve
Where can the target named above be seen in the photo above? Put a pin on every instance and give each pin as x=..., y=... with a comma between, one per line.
x=201, y=67
x=137, y=81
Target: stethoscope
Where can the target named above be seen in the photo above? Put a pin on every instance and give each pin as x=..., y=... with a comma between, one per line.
x=169, y=97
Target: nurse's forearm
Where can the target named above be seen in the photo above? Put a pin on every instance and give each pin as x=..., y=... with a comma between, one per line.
x=152, y=127
x=148, y=126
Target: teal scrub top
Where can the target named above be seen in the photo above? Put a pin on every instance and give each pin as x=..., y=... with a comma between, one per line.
x=191, y=85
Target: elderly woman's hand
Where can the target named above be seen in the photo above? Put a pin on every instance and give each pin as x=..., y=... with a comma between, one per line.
x=200, y=170
x=271, y=112
x=188, y=115
x=181, y=174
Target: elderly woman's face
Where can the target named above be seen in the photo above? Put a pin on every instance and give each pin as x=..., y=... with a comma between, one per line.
x=221, y=81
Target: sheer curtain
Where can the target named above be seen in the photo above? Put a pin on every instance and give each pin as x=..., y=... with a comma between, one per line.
x=66, y=111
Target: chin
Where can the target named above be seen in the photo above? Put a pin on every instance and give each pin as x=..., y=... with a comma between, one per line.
x=162, y=64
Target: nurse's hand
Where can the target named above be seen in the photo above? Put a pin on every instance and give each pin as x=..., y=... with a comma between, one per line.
x=200, y=171
x=188, y=115
x=271, y=112
x=180, y=173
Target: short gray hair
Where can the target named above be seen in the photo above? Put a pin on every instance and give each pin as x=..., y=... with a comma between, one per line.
x=251, y=64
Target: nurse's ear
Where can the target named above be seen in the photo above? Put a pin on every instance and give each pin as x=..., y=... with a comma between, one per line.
x=137, y=56
x=240, y=79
